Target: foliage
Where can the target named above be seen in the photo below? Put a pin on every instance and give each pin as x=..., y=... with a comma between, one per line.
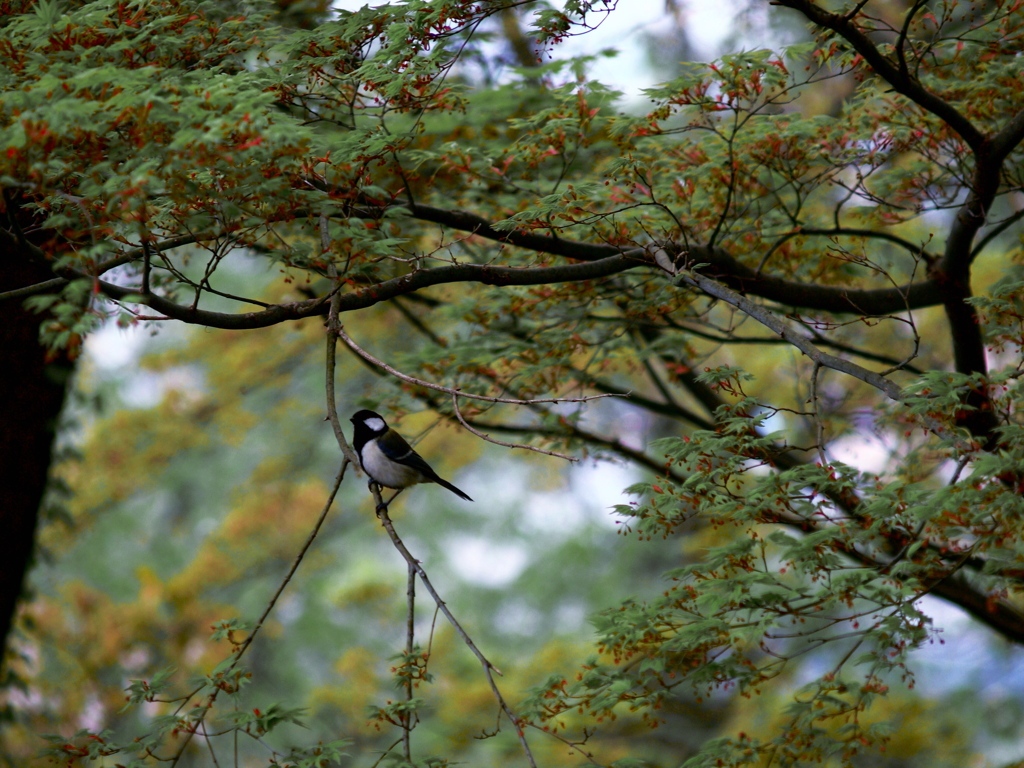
x=756, y=280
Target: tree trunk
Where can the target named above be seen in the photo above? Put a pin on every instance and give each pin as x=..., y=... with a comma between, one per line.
x=32, y=390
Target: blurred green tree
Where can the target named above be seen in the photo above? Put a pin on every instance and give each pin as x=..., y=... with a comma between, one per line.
x=771, y=264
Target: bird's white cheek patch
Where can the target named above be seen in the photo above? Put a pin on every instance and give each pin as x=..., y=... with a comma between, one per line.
x=377, y=425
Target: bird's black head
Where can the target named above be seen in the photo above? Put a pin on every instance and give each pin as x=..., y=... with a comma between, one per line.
x=366, y=426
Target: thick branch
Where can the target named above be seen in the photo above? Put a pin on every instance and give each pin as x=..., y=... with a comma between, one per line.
x=477, y=225
x=901, y=80
x=997, y=614
x=721, y=265
x=957, y=589
x=1008, y=139
x=389, y=289
x=779, y=326
x=954, y=273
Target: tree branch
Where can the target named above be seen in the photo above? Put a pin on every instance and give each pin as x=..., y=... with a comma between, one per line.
x=389, y=289
x=722, y=265
x=900, y=79
x=604, y=260
x=768, y=318
x=488, y=667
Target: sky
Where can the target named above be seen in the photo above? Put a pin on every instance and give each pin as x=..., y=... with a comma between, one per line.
x=708, y=22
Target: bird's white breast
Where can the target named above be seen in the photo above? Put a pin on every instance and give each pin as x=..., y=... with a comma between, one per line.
x=385, y=471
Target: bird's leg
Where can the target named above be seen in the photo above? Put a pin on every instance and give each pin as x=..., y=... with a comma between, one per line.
x=376, y=489
x=385, y=504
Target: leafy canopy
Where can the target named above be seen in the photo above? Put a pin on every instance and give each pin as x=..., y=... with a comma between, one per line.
x=780, y=252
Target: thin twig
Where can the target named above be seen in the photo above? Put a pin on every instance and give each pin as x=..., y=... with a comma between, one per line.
x=146, y=266
x=572, y=745
x=190, y=732
x=209, y=746
x=410, y=640
x=819, y=425
x=482, y=436
x=333, y=328
x=770, y=320
x=385, y=753
x=295, y=564
x=489, y=669
x=451, y=390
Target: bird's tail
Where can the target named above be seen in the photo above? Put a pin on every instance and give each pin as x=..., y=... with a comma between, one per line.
x=452, y=488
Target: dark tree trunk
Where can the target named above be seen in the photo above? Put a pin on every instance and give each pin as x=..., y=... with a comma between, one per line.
x=32, y=393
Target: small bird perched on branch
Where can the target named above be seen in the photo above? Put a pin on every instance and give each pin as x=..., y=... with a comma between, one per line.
x=388, y=459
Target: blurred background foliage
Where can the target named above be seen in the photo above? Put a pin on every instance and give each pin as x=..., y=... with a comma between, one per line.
x=197, y=460
x=201, y=459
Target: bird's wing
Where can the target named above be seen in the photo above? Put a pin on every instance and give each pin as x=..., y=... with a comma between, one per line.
x=393, y=446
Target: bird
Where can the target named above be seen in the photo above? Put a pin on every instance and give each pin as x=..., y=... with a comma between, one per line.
x=388, y=460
